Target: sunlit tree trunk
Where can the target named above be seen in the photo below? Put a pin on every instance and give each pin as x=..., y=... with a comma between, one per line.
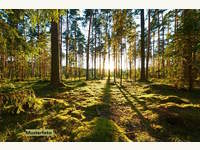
x=75, y=53
x=163, y=47
x=158, y=71
x=153, y=51
x=67, y=44
x=88, y=48
x=114, y=50
x=92, y=53
x=175, y=30
x=148, y=44
x=55, y=54
x=142, y=73
x=60, y=43
x=121, y=48
x=95, y=54
x=109, y=59
x=135, y=57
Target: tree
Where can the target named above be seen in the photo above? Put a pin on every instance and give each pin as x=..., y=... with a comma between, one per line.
x=67, y=42
x=142, y=53
x=189, y=35
x=89, y=13
x=149, y=44
x=55, y=53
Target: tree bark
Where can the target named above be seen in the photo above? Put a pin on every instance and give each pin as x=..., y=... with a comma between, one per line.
x=149, y=44
x=163, y=47
x=142, y=73
x=60, y=43
x=67, y=44
x=88, y=48
x=121, y=72
x=158, y=71
x=55, y=54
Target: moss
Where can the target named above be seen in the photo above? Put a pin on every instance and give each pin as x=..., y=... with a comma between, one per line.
x=104, y=111
x=100, y=130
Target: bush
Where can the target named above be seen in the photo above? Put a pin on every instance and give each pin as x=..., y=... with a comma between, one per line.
x=19, y=101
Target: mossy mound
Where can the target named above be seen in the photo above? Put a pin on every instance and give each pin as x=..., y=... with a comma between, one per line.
x=19, y=101
x=100, y=130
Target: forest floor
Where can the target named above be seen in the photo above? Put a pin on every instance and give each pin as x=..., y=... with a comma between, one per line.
x=104, y=111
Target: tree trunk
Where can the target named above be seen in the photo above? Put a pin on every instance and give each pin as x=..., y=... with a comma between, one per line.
x=121, y=72
x=55, y=54
x=163, y=48
x=92, y=69
x=95, y=54
x=67, y=44
x=88, y=48
x=60, y=43
x=130, y=67
x=114, y=63
x=75, y=53
x=149, y=44
x=158, y=44
x=142, y=73
x=109, y=59
x=153, y=61
x=135, y=57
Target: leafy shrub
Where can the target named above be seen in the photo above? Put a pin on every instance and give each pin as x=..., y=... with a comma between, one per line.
x=19, y=101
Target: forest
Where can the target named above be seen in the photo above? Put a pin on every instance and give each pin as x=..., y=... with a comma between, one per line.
x=100, y=75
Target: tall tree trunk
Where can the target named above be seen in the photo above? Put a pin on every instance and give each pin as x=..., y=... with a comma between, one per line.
x=104, y=60
x=121, y=72
x=60, y=43
x=114, y=62
x=153, y=61
x=142, y=73
x=163, y=47
x=149, y=44
x=38, y=38
x=109, y=59
x=168, y=69
x=88, y=48
x=109, y=63
x=158, y=71
x=75, y=52
x=135, y=57
x=100, y=55
x=55, y=54
x=67, y=44
x=95, y=54
x=175, y=30
x=130, y=69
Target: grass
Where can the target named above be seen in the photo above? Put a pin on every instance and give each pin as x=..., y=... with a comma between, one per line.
x=104, y=111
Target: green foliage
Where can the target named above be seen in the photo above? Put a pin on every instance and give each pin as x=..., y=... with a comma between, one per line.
x=100, y=130
x=19, y=101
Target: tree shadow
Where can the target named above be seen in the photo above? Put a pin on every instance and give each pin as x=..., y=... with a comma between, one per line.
x=45, y=89
x=179, y=123
x=166, y=90
x=144, y=121
x=102, y=128
x=125, y=91
x=102, y=109
x=146, y=124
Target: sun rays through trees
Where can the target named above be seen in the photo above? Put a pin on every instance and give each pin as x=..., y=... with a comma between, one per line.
x=100, y=74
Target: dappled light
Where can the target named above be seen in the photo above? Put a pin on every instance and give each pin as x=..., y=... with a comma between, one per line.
x=100, y=75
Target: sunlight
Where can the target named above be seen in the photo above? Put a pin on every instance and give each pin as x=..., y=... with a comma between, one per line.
x=109, y=66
